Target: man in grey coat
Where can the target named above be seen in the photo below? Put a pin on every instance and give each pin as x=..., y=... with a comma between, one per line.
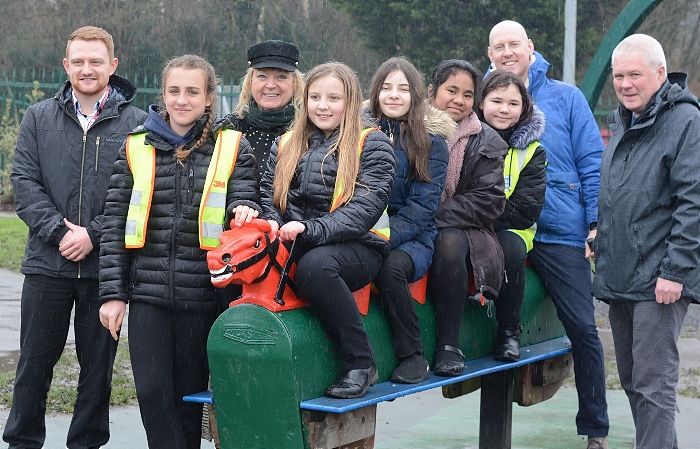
x=648, y=243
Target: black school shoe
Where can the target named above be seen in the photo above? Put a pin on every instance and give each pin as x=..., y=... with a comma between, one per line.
x=449, y=361
x=412, y=370
x=507, y=345
x=353, y=384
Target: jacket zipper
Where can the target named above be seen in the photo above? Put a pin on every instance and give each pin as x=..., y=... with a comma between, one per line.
x=178, y=203
x=80, y=192
x=97, y=153
x=190, y=188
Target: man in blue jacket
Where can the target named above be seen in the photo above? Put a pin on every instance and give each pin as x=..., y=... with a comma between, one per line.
x=62, y=164
x=648, y=244
x=569, y=216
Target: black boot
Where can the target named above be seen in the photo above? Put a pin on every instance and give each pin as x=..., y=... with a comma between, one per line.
x=449, y=361
x=353, y=383
x=507, y=344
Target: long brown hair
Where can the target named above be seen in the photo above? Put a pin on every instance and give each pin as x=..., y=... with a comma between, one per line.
x=302, y=128
x=210, y=81
x=413, y=137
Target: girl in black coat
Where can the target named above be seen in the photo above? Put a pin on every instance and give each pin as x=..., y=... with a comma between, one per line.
x=162, y=272
x=327, y=198
x=507, y=107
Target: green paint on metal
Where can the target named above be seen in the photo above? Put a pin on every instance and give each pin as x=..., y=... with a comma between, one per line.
x=626, y=23
x=263, y=364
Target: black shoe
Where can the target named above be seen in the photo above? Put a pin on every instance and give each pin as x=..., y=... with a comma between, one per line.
x=449, y=361
x=353, y=384
x=412, y=370
x=507, y=345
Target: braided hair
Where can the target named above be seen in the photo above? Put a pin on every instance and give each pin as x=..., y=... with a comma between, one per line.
x=211, y=81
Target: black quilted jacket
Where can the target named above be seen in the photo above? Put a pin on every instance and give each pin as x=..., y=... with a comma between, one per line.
x=311, y=193
x=171, y=269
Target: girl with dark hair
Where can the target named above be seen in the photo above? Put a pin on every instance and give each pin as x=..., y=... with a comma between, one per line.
x=318, y=191
x=508, y=108
x=472, y=200
x=177, y=182
x=418, y=132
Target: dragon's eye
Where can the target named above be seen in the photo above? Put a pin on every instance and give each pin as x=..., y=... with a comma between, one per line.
x=226, y=257
x=257, y=244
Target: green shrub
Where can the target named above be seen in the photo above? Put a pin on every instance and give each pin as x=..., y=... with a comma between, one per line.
x=9, y=130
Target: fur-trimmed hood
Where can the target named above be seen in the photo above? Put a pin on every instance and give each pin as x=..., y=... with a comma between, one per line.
x=437, y=122
x=529, y=131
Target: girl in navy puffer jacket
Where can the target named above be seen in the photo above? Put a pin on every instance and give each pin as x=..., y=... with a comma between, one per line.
x=418, y=132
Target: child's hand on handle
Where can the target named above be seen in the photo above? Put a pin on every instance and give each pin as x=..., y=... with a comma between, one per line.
x=290, y=230
x=243, y=214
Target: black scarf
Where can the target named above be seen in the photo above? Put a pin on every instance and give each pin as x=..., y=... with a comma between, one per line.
x=277, y=120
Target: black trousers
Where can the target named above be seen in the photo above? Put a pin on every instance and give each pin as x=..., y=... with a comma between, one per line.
x=326, y=276
x=396, y=300
x=169, y=360
x=47, y=303
x=449, y=282
x=510, y=299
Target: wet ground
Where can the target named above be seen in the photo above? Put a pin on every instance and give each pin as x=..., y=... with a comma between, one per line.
x=422, y=420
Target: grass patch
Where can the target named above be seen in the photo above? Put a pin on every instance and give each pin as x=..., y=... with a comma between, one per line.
x=63, y=392
x=689, y=385
x=13, y=238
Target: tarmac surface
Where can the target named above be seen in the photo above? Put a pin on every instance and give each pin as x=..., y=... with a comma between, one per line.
x=424, y=420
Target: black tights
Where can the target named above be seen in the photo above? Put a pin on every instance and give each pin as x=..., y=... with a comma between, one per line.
x=449, y=282
x=510, y=298
x=449, y=277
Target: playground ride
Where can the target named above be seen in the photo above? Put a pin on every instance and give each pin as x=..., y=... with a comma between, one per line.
x=270, y=360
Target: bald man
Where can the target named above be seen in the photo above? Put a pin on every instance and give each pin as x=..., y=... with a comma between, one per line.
x=569, y=216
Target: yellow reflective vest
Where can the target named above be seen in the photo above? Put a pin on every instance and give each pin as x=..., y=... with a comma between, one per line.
x=212, y=209
x=381, y=227
x=514, y=162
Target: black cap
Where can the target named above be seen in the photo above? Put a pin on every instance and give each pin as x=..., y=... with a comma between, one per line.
x=274, y=54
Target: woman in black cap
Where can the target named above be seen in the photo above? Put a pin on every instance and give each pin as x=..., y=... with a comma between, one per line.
x=271, y=91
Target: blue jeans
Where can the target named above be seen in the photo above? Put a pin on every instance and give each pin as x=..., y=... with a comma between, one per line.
x=47, y=303
x=566, y=275
x=646, y=335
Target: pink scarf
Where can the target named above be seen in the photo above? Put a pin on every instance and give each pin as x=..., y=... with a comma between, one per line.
x=457, y=145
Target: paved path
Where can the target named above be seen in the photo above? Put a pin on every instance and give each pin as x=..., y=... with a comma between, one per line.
x=423, y=420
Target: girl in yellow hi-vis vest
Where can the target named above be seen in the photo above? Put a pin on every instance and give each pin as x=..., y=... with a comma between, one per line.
x=177, y=183
x=326, y=187
x=508, y=108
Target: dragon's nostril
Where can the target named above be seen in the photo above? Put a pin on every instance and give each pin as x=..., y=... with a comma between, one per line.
x=226, y=257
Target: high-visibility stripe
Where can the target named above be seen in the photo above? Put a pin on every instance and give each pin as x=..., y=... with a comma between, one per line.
x=212, y=208
x=512, y=174
x=142, y=162
x=381, y=227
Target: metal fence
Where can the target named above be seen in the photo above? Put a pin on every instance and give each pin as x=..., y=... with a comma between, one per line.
x=16, y=85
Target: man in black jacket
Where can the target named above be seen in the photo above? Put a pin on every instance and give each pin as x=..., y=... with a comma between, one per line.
x=62, y=165
x=648, y=244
